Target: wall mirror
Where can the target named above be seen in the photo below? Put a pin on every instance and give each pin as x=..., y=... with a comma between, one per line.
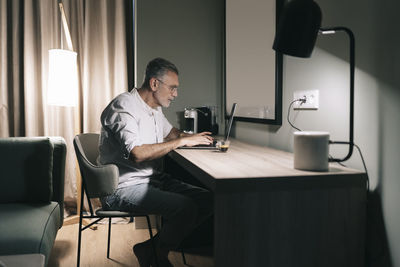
x=253, y=71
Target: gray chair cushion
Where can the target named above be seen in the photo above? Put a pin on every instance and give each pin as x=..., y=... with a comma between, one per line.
x=26, y=166
x=28, y=228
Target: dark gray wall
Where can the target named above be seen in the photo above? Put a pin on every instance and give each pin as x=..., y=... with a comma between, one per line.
x=188, y=33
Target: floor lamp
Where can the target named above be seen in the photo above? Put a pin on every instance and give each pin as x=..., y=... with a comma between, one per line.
x=63, y=91
x=296, y=34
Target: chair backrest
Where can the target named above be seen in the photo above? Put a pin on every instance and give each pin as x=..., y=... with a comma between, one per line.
x=89, y=146
x=97, y=180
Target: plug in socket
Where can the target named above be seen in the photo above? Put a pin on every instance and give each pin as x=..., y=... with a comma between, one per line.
x=311, y=103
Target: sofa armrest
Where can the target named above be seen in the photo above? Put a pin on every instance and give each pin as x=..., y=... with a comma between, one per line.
x=59, y=154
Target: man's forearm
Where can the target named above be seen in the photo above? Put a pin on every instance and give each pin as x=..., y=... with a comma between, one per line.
x=174, y=140
x=174, y=134
x=153, y=151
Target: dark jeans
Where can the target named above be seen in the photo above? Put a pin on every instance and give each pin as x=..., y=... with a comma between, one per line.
x=182, y=206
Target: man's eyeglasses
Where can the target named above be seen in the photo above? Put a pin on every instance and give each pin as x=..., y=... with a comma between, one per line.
x=172, y=88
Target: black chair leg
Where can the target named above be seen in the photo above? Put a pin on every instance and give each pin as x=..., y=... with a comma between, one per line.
x=183, y=257
x=79, y=241
x=152, y=240
x=80, y=230
x=109, y=237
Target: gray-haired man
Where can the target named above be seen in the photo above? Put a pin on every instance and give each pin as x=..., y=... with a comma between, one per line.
x=135, y=135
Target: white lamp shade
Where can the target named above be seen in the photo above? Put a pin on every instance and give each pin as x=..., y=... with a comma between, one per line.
x=62, y=87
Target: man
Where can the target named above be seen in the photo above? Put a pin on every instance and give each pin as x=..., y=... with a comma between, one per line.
x=135, y=135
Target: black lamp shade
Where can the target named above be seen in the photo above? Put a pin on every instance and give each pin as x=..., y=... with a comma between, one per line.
x=298, y=28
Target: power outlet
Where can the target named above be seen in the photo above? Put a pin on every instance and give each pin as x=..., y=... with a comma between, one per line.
x=311, y=97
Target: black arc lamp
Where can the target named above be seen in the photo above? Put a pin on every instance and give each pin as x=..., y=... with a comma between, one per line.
x=296, y=34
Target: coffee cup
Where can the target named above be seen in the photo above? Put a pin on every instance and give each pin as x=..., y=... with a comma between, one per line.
x=223, y=145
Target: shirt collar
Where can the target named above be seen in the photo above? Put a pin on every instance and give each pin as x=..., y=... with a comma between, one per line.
x=146, y=107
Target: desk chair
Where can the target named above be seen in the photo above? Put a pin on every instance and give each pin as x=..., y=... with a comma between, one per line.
x=98, y=181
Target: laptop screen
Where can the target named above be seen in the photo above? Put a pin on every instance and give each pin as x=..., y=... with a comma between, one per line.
x=228, y=130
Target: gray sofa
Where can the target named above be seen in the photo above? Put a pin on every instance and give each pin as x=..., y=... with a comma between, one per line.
x=31, y=194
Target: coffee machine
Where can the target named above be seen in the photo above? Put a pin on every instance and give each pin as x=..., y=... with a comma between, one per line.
x=190, y=115
x=200, y=119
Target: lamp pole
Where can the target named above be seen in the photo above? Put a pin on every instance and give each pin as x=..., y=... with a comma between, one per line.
x=77, y=130
x=333, y=30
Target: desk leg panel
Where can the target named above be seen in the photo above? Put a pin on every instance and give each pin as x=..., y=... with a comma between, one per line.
x=290, y=228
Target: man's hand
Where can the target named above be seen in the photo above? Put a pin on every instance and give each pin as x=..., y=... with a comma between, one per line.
x=202, y=138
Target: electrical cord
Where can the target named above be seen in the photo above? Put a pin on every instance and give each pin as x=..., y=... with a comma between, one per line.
x=338, y=162
x=302, y=100
x=365, y=166
x=362, y=159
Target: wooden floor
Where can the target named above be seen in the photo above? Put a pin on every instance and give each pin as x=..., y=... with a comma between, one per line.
x=94, y=248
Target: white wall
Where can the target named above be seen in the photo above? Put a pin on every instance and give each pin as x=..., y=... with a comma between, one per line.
x=377, y=108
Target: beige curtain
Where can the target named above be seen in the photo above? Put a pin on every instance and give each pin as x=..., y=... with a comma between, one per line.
x=28, y=29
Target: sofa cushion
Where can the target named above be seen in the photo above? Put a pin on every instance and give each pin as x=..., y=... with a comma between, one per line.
x=31, y=260
x=28, y=228
x=26, y=166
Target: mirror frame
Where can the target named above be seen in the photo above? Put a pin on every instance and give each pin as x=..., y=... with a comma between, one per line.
x=278, y=76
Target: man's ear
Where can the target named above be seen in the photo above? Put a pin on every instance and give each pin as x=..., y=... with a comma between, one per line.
x=153, y=84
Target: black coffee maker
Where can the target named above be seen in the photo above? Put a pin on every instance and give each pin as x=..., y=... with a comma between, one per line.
x=200, y=119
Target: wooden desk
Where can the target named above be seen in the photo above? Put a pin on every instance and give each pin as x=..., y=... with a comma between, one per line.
x=269, y=214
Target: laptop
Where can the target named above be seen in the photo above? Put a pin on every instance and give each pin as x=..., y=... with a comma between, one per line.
x=214, y=144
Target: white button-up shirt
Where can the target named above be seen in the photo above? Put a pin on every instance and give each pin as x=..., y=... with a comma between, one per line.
x=128, y=122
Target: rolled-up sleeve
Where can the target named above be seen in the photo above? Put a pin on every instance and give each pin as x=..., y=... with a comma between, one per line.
x=122, y=126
